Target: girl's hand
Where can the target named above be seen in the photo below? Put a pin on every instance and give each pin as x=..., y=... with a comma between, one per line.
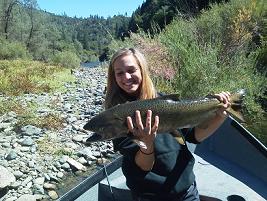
x=145, y=134
x=224, y=97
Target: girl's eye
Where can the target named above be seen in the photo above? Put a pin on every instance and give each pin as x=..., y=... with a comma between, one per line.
x=119, y=73
x=132, y=71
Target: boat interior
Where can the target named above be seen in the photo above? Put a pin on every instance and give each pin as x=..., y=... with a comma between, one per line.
x=231, y=165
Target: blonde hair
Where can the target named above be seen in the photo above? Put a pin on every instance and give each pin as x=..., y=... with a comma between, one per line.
x=114, y=94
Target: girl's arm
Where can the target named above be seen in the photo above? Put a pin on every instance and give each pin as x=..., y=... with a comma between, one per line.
x=216, y=122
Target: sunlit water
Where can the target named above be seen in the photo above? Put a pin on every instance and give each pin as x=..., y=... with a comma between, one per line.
x=90, y=64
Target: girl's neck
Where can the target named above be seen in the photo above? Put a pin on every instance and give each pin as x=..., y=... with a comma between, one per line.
x=130, y=97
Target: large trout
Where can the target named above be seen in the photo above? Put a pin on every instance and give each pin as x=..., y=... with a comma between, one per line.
x=173, y=113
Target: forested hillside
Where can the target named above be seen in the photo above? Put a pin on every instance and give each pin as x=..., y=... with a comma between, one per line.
x=28, y=32
x=154, y=14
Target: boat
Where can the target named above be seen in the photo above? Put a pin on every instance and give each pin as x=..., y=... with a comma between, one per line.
x=230, y=165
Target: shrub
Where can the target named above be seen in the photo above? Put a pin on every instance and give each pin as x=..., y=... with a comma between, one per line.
x=214, y=53
x=67, y=59
x=13, y=50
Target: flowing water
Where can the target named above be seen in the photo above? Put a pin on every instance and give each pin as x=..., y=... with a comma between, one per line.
x=91, y=64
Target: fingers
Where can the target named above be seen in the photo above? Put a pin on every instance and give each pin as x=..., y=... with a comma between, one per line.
x=224, y=97
x=130, y=124
x=148, y=121
x=156, y=124
x=138, y=120
x=139, y=124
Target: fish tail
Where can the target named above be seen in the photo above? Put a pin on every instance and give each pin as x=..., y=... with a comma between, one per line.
x=236, y=100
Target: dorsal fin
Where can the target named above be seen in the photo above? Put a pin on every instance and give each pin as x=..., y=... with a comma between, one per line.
x=174, y=97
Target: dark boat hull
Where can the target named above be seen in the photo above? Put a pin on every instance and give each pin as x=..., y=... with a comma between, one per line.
x=231, y=164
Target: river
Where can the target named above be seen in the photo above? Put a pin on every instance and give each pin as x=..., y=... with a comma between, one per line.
x=92, y=64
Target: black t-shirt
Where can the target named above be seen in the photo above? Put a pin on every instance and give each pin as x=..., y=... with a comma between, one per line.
x=172, y=171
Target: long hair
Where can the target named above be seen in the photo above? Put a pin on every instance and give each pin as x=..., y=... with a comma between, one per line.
x=114, y=94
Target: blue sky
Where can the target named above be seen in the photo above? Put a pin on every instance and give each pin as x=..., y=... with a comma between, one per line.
x=85, y=8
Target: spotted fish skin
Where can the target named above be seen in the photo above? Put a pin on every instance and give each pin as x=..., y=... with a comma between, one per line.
x=173, y=113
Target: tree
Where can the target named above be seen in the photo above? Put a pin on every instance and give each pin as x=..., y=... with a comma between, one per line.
x=31, y=6
x=7, y=8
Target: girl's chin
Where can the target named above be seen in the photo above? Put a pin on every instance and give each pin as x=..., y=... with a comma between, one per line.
x=131, y=90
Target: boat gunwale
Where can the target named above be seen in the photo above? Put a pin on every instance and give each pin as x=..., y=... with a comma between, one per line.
x=92, y=180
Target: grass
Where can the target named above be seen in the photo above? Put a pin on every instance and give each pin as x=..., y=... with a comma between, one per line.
x=49, y=145
x=27, y=114
x=18, y=77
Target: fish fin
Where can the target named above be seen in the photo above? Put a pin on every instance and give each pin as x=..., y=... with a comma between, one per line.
x=175, y=97
x=236, y=114
x=178, y=136
x=117, y=117
x=236, y=101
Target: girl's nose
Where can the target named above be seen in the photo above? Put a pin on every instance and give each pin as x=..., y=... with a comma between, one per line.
x=127, y=75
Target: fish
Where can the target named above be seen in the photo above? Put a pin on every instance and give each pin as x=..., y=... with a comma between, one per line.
x=174, y=113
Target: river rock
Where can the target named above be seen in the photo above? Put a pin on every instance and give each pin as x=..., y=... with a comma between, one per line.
x=29, y=197
x=50, y=186
x=82, y=160
x=18, y=174
x=11, y=155
x=4, y=126
x=76, y=164
x=6, y=177
x=15, y=185
x=13, y=198
x=53, y=195
x=39, y=180
x=30, y=130
x=27, y=142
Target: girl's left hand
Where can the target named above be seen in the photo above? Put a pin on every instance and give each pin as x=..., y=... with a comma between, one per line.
x=223, y=97
x=145, y=133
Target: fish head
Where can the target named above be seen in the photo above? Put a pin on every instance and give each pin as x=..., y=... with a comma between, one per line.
x=106, y=126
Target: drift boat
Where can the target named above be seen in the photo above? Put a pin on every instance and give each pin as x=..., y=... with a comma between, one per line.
x=231, y=165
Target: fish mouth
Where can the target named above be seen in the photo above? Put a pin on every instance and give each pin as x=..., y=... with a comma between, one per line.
x=87, y=126
x=94, y=138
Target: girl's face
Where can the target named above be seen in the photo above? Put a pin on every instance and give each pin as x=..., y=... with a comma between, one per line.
x=128, y=74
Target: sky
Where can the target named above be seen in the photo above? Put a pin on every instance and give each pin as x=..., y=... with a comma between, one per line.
x=85, y=8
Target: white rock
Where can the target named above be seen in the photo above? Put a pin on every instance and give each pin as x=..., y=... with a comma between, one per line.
x=6, y=177
x=76, y=164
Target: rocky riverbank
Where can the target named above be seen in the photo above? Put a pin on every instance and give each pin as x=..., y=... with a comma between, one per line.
x=33, y=161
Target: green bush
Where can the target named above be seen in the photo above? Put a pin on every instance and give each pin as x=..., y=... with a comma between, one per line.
x=214, y=54
x=67, y=59
x=12, y=50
